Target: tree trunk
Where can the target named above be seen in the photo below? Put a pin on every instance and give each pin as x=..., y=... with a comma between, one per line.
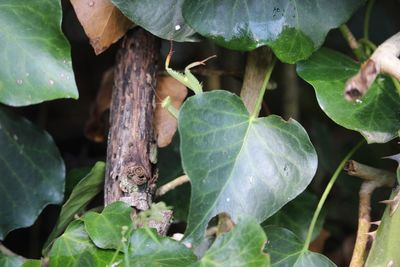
x=131, y=151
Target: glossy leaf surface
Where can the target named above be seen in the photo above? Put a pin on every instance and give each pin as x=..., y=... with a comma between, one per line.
x=287, y=26
x=149, y=249
x=35, y=56
x=285, y=249
x=68, y=247
x=242, y=246
x=81, y=195
x=105, y=229
x=376, y=116
x=10, y=261
x=163, y=19
x=238, y=164
x=32, y=172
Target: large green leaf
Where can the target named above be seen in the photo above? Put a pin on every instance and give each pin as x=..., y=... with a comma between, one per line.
x=386, y=246
x=32, y=172
x=81, y=195
x=35, y=56
x=10, y=261
x=149, y=249
x=105, y=229
x=31, y=263
x=238, y=164
x=296, y=216
x=163, y=19
x=289, y=27
x=70, y=246
x=242, y=246
x=286, y=249
x=376, y=116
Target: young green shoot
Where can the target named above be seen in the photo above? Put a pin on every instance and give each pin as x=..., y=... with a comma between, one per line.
x=186, y=78
x=326, y=193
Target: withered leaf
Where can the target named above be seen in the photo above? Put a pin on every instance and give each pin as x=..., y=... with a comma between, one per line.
x=103, y=23
x=164, y=123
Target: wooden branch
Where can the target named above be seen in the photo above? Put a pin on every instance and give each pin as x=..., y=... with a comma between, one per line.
x=373, y=178
x=257, y=63
x=131, y=151
x=384, y=60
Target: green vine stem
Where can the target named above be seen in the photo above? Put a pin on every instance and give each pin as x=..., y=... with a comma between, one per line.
x=367, y=17
x=260, y=96
x=351, y=40
x=326, y=193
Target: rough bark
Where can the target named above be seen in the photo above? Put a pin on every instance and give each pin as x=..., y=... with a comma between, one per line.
x=131, y=151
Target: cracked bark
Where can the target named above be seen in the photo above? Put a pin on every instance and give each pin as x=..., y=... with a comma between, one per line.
x=130, y=171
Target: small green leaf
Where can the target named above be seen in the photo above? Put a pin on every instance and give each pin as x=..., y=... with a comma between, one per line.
x=81, y=195
x=32, y=263
x=98, y=258
x=242, y=246
x=163, y=19
x=286, y=249
x=70, y=245
x=35, y=56
x=296, y=216
x=149, y=249
x=287, y=26
x=74, y=246
x=376, y=116
x=386, y=246
x=10, y=261
x=238, y=164
x=32, y=172
x=105, y=229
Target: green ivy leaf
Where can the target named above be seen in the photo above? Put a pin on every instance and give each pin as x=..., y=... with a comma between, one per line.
x=286, y=249
x=296, y=216
x=35, y=56
x=237, y=164
x=81, y=195
x=376, y=117
x=242, y=246
x=105, y=229
x=10, y=261
x=287, y=26
x=163, y=19
x=32, y=172
x=386, y=246
x=31, y=263
x=98, y=258
x=70, y=245
x=149, y=249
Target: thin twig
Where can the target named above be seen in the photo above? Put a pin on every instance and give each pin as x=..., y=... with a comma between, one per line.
x=351, y=40
x=373, y=178
x=172, y=185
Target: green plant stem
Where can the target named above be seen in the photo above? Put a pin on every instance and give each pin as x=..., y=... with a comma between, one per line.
x=260, y=97
x=396, y=84
x=367, y=17
x=351, y=40
x=326, y=193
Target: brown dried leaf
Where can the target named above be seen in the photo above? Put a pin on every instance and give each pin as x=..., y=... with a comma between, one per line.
x=103, y=23
x=164, y=123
